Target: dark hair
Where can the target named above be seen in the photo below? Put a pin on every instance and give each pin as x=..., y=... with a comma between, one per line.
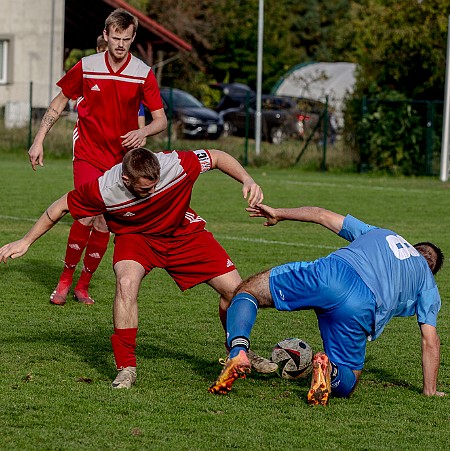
x=432, y=254
x=120, y=19
x=139, y=163
x=101, y=44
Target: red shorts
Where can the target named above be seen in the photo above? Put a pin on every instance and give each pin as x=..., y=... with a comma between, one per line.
x=84, y=172
x=189, y=259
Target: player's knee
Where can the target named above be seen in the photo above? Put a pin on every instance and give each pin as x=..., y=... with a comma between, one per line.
x=127, y=283
x=343, y=381
x=100, y=224
x=124, y=283
x=88, y=222
x=258, y=287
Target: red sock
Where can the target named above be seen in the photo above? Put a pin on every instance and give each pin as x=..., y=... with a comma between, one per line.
x=95, y=250
x=124, y=344
x=78, y=238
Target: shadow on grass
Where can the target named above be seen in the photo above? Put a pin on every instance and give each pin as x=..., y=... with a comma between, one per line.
x=39, y=272
x=383, y=378
x=92, y=341
x=92, y=344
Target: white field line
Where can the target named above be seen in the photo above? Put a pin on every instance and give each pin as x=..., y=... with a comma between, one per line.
x=350, y=186
x=218, y=236
x=16, y=218
x=263, y=241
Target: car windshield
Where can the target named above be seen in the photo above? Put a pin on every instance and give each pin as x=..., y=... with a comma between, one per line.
x=181, y=99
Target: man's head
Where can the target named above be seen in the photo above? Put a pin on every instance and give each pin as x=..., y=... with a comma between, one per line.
x=102, y=45
x=432, y=254
x=119, y=33
x=140, y=172
x=120, y=20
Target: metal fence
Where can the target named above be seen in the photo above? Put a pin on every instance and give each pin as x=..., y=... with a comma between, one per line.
x=382, y=133
x=413, y=126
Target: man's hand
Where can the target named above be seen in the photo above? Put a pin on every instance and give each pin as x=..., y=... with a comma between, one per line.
x=253, y=191
x=264, y=211
x=36, y=155
x=13, y=250
x=134, y=139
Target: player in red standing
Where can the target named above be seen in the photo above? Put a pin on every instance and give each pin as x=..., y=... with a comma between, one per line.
x=109, y=88
x=102, y=46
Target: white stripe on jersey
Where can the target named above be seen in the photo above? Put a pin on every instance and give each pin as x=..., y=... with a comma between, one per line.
x=114, y=77
x=122, y=201
x=116, y=196
x=95, y=64
x=75, y=135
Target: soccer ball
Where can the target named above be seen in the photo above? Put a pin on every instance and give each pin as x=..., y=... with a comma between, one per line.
x=294, y=358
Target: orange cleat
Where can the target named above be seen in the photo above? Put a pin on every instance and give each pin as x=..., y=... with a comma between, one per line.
x=235, y=368
x=321, y=380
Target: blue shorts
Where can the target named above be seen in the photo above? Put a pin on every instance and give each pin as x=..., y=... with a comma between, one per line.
x=344, y=304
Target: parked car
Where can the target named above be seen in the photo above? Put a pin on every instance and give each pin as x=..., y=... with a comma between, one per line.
x=280, y=119
x=237, y=95
x=233, y=95
x=190, y=118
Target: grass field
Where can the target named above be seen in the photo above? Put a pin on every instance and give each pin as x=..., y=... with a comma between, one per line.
x=57, y=363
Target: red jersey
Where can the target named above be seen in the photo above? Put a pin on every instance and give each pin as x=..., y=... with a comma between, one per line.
x=108, y=103
x=165, y=213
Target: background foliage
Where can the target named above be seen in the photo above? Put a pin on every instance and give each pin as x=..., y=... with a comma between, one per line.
x=398, y=46
x=389, y=40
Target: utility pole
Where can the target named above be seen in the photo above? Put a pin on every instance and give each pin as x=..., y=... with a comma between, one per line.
x=259, y=77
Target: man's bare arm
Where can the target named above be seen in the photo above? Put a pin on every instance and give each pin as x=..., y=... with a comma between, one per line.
x=329, y=219
x=430, y=359
x=53, y=113
x=135, y=138
x=48, y=219
x=230, y=166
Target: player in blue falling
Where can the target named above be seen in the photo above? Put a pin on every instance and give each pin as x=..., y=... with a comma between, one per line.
x=354, y=291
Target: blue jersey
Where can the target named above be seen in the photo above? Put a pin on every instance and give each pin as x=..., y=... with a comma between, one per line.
x=396, y=273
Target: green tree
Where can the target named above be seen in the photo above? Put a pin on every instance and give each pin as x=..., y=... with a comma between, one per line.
x=294, y=32
x=224, y=35
x=400, y=46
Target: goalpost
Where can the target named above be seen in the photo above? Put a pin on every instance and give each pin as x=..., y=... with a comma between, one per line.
x=446, y=120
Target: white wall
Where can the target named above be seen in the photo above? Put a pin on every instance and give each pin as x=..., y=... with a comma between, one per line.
x=27, y=24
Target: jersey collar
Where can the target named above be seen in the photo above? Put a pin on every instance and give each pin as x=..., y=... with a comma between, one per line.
x=121, y=68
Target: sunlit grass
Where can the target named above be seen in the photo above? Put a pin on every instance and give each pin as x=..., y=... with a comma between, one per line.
x=57, y=363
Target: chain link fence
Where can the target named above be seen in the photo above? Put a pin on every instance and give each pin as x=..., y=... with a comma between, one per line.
x=388, y=135
x=399, y=135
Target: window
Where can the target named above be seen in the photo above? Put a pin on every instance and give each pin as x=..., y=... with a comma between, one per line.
x=3, y=61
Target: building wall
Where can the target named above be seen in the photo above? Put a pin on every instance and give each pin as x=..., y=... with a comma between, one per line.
x=35, y=34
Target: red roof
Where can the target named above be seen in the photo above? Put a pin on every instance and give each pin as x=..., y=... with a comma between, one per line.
x=151, y=25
